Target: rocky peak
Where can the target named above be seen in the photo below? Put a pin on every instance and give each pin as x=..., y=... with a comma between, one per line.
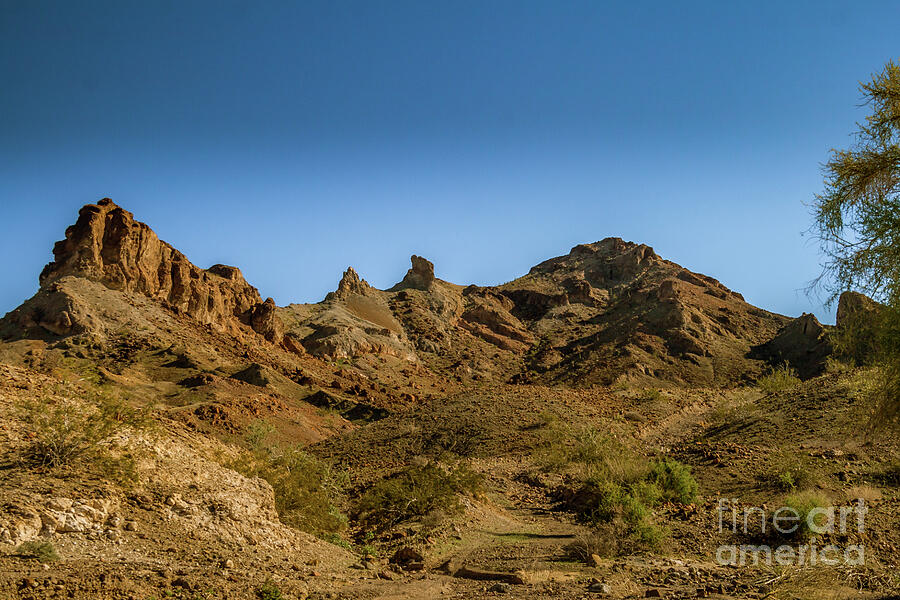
x=421, y=275
x=802, y=343
x=610, y=259
x=853, y=306
x=107, y=245
x=350, y=284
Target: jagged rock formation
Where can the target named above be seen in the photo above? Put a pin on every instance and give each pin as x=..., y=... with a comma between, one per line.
x=350, y=284
x=615, y=309
x=803, y=344
x=420, y=276
x=606, y=311
x=854, y=307
x=108, y=246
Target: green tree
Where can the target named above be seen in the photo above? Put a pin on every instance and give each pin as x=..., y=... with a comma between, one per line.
x=857, y=218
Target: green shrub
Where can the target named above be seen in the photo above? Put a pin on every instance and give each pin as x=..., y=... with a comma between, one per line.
x=674, y=481
x=415, y=492
x=67, y=433
x=788, y=472
x=337, y=540
x=307, y=489
x=257, y=433
x=803, y=503
x=42, y=551
x=589, y=453
x=617, y=488
x=623, y=511
x=651, y=395
x=269, y=591
x=778, y=379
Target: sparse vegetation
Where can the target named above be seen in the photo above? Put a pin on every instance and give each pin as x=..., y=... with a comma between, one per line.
x=459, y=439
x=415, y=492
x=803, y=503
x=41, y=551
x=788, y=471
x=674, y=480
x=602, y=541
x=269, y=591
x=651, y=395
x=616, y=489
x=307, y=489
x=67, y=432
x=778, y=379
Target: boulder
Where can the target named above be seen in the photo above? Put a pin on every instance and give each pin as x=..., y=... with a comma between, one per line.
x=853, y=306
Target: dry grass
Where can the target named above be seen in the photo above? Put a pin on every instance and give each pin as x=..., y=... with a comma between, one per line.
x=778, y=379
x=866, y=493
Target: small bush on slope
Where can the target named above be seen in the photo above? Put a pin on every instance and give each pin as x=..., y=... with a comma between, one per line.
x=788, y=471
x=66, y=432
x=778, y=379
x=41, y=551
x=307, y=489
x=415, y=492
x=616, y=488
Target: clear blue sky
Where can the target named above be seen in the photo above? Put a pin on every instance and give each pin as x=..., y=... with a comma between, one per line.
x=293, y=139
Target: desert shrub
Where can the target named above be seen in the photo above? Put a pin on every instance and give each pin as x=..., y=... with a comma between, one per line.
x=674, y=481
x=337, y=540
x=866, y=493
x=602, y=541
x=651, y=395
x=307, y=489
x=269, y=591
x=623, y=510
x=615, y=488
x=415, y=492
x=41, y=551
x=65, y=433
x=778, y=379
x=462, y=439
x=803, y=503
x=589, y=453
x=788, y=472
x=625, y=502
x=257, y=433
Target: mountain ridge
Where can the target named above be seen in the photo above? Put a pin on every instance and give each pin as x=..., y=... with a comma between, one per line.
x=605, y=311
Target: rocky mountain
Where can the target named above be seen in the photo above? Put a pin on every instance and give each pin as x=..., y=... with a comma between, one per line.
x=606, y=312
x=166, y=432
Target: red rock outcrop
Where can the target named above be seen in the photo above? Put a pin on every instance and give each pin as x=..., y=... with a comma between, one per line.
x=350, y=284
x=421, y=275
x=108, y=246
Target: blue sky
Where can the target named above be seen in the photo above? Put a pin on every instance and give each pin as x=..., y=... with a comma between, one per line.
x=293, y=139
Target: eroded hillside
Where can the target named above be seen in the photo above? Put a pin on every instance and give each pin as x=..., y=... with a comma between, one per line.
x=168, y=433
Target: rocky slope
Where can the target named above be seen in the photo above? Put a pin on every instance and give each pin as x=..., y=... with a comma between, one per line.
x=606, y=312
x=370, y=382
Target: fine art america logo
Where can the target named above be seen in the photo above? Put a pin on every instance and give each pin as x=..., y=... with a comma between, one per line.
x=790, y=523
